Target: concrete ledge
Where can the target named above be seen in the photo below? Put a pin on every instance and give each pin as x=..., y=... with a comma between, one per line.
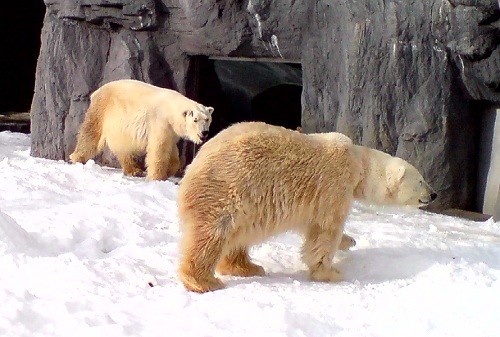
x=15, y=122
x=460, y=213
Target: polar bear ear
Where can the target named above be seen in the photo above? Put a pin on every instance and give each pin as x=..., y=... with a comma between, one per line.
x=188, y=113
x=394, y=174
x=210, y=110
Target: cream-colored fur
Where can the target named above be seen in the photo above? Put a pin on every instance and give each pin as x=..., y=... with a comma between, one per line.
x=132, y=118
x=332, y=137
x=253, y=181
x=402, y=182
x=398, y=182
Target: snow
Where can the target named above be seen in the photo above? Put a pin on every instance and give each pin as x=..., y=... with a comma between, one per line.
x=87, y=252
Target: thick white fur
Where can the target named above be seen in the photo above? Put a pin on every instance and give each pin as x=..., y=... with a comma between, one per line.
x=254, y=180
x=132, y=117
x=399, y=182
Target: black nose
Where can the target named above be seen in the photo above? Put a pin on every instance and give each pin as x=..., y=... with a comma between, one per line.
x=434, y=196
x=204, y=133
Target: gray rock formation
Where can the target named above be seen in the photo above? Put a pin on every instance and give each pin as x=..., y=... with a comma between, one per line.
x=399, y=76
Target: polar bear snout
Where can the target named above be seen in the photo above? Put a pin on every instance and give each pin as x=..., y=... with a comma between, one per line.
x=428, y=198
x=201, y=137
x=204, y=136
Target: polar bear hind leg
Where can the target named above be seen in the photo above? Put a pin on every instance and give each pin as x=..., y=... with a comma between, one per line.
x=200, y=254
x=89, y=142
x=129, y=164
x=237, y=263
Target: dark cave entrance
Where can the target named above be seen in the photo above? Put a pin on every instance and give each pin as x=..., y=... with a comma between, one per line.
x=487, y=149
x=22, y=25
x=23, y=21
x=248, y=91
x=244, y=90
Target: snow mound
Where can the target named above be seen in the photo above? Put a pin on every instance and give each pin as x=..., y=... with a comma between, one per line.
x=87, y=252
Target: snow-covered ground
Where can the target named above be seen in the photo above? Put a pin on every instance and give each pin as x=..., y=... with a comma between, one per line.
x=87, y=252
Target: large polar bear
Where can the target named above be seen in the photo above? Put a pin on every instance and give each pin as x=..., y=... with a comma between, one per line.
x=133, y=118
x=254, y=180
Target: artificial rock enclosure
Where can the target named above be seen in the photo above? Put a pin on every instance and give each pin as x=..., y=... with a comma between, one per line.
x=412, y=78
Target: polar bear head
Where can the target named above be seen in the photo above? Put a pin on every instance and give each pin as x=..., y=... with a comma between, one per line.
x=405, y=185
x=198, y=122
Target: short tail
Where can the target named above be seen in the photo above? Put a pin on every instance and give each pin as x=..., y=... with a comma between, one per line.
x=89, y=141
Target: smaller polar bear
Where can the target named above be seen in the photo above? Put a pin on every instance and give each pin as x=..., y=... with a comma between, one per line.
x=254, y=180
x=132, y=118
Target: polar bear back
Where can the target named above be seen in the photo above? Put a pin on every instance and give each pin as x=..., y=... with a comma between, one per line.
x=138, y=99
x=266, y=179
x=131, y=108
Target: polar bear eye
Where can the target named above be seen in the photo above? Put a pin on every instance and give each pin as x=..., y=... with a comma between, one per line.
x=195, y=120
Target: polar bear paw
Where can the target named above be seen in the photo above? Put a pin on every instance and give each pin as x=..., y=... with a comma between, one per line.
x=347, y=242
x=325, y=274
x=201, y=284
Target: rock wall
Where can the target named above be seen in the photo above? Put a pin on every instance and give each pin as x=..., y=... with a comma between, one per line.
x=399, y=76
x=496, y=215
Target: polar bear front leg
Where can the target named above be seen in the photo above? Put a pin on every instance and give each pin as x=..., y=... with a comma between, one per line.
x=318, y=250
x=158, y=153
x=174, y=164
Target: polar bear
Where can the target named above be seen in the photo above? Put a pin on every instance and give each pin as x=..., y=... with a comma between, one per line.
x=132, y=118
x=253, y=181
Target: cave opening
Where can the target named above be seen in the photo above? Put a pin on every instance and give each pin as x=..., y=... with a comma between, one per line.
x=488, y=158
x=23, y=22
x=241, y=90
x=244, y=90
x=18, y=62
